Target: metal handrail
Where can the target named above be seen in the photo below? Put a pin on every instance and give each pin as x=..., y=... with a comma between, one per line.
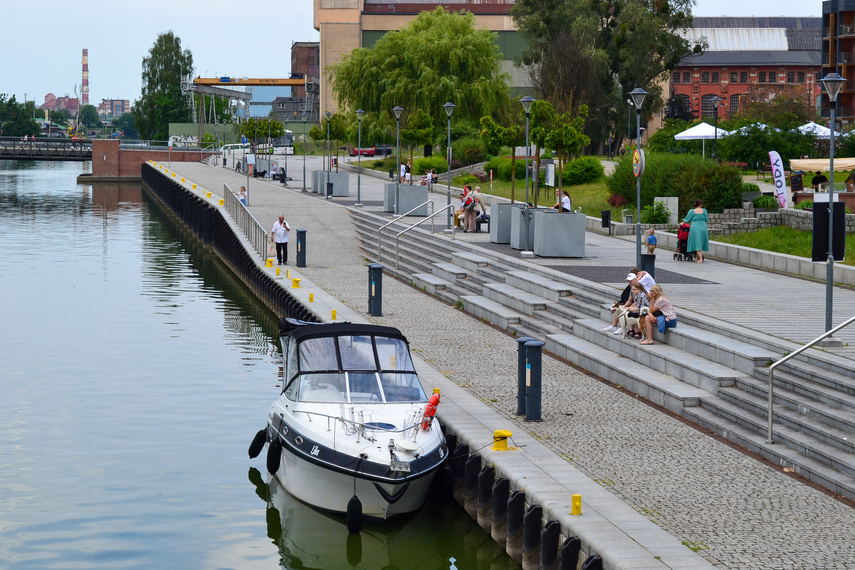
x=431, y=217
x=254, y=231
x=769, y=438
x=384, y=226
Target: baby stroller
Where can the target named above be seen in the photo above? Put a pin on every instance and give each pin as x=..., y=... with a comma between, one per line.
x=682, y=241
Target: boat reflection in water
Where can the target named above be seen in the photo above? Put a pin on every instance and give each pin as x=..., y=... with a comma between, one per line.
x=439, y=535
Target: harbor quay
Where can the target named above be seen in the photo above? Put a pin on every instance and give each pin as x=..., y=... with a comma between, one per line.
x=656, y=491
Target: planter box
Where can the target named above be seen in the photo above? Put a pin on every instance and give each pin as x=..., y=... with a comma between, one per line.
x=389, y=197
x=559, y=234
x=341, y=183
x=410, y=197
x=500, y=222
x=518, y=237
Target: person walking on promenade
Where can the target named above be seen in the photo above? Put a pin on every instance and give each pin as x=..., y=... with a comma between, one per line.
x=699, y=237
x=279, y=235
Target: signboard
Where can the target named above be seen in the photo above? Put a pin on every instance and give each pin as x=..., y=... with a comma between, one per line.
x=797, y=183
x=550, y=175
x=243, y=140
x=638, y=162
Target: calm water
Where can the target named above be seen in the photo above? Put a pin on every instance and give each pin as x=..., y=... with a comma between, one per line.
x=135, y=371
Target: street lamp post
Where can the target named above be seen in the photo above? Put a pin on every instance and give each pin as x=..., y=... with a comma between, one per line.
x=526, y=103
x=329, y=156
x=303, y=116
x=638, y=95
x=449, y=108
x=833, y=82
x=716, y=101
x=359, y=113
x=397, y=110
x=628, y=123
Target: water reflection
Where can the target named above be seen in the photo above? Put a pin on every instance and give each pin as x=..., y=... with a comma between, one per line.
x=437, y=536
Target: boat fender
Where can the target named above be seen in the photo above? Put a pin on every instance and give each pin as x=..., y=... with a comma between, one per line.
x=257, y=444
x=354, y=515
x=430, y=411
x=274, y=455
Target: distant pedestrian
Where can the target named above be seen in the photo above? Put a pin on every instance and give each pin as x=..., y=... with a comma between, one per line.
x=699, y=237
x=279, y=235
x=242, y=195
x=409, y=172
x=403, y=176
x=651, y=241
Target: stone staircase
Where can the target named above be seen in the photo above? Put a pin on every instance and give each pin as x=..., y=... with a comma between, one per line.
x=708, y=371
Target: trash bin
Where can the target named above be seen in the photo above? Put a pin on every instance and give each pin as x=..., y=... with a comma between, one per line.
x=606, y=218
x=391, y=173
x=648, y=263
x=301, y=248
x=329, y=189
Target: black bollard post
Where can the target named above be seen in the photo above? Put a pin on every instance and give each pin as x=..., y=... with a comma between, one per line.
x=485, y=497
x=549, y=545
x=570, y=550
x=521, y=359
x=375, y=290
x=532, y=525
x=470, y=485
x=499, y=511
x=457, y=462
x=514, y=543
x=593, y=562
x=533, y=382
x=283, y=176
x=301, y=248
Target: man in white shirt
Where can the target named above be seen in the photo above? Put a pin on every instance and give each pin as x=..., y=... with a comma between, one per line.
x=279, y=235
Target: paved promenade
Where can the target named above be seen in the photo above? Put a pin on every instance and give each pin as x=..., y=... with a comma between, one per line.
x=733, y=509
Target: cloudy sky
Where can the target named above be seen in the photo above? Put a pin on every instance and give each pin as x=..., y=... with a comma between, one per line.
x=246, y=38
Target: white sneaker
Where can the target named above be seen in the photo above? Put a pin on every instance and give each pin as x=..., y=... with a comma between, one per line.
x=610, y=328
x=619, y=331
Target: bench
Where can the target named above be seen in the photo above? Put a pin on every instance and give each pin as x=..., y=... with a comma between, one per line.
x=479, y=221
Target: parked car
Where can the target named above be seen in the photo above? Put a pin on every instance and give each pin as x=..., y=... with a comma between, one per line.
x=383, y=149
x=362, y=151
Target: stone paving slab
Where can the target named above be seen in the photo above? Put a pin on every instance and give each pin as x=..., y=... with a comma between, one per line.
x=736, y=511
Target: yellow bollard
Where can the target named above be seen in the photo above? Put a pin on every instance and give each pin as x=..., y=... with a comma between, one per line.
x=222, y=201
x=577, y=505
x=194, y=187
x=173, y=175
x=209, y=194
x=288, y=274
x=333, y=314
x=182, y=180
x=295, y=283
x=311, y=297
x=500, y=439
x=269, y=262
x=278, y=271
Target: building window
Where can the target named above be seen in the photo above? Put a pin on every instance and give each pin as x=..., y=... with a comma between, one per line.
x=734, y=104
x=705, y=77
x=733, y=77
x=715, y=78
x=801, y=76
x=707, y=108
x=676, y=77
x=772, y=77
x=791, y=77
x=743, y=77
x=687, y=77
x=761, y=77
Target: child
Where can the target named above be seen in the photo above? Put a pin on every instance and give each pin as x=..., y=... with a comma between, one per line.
x=651, y=241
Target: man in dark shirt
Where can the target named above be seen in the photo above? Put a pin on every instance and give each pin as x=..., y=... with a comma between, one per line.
x=818, y=179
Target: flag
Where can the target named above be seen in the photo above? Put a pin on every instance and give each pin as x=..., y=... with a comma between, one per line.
x=778, y=178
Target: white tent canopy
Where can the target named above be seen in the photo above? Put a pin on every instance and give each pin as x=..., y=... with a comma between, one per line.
x=703, y=132
x=819, y=131
x=758, y=126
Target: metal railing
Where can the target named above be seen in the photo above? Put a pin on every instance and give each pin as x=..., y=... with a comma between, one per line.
x=254, y=231
x=420, y=222
x=384, y=226
x=769, y=438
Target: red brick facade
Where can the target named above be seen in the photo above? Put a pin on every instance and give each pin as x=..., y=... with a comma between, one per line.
x=109, y=161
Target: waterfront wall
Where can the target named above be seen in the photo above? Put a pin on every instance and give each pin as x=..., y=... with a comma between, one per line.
x=109, y=162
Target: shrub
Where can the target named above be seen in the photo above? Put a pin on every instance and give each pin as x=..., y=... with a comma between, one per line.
x=805, y=205
x=466, y=179
x=655, y=213
x=765, y=202
x=686, y=176
x=422, y=165
x=582, y=170
x=616, y=201
x=501, y=168
x=750, y=187
x=471, y=150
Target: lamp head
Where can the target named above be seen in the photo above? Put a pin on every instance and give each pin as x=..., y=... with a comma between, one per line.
x=359, y=113
x=328, y=115
x=397, y=109
x=449, y=107
x=638, y=94
x=304, y=115
x=526, y=103
x=716, y=101
x=833, y=84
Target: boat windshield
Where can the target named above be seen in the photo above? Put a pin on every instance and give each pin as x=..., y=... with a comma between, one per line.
x=355, y=368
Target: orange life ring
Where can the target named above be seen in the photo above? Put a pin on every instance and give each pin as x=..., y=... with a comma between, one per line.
x=430, y=412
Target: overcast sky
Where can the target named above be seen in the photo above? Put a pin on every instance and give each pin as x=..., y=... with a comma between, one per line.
x=246, y=38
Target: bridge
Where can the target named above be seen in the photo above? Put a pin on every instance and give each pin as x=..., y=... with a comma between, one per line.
x=15, y=148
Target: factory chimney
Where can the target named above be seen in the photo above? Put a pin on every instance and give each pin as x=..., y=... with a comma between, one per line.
x=85, y=91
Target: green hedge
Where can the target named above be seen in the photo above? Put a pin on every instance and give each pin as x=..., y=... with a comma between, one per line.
x=501, y=168
x=471, y=150
x=583, y=170
x=686, y=176
x=422, y=165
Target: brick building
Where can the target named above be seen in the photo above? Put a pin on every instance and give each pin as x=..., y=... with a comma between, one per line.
x=838, y=55
x=748, y=57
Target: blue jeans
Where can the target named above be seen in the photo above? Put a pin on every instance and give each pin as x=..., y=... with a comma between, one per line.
x=663, y=324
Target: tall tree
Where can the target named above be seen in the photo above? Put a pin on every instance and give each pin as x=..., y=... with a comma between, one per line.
x=594, y=53
x=16, y=119
x=437, y=57
x=88, y=116
x=420, y=130
x=495, y=136
x=161, y=101
x=125, y=124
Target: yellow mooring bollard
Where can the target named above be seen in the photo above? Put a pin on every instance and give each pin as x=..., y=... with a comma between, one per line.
x=311, y=297
x=333, y=314
x=577, y=505
x=295, y=282
x=194, y=187
x=173, y=175
x=278, y=271
x=222, y=201
x=500, y=439
x=182, y=180
x=209, y=194
x=287, y=274
x=269, y=262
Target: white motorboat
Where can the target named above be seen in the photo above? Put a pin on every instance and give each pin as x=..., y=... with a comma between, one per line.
x=352, y=431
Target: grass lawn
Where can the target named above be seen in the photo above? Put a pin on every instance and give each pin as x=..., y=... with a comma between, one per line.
x=784, y=240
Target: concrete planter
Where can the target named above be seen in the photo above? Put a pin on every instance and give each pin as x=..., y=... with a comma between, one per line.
x=341, y=183
x=410, y=197
x=500, y=222
x=389, y=197
x=518, y=238
x=558, y=234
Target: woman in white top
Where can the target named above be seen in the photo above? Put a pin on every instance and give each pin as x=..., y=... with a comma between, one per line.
x=663, y=313
x=565, y=204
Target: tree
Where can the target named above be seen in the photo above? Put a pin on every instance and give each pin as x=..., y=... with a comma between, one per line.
x=88, y=116
x=16, y=119
x=60, y=117
x=496, y=136
x=420, y=130
x=125, y=124
x=256, y=128
x=161, y=101
x=437, y=57
x=783, y=106
x=594, y=53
